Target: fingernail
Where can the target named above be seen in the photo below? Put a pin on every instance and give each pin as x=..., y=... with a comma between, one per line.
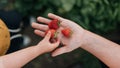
x=38, y=18
x=49, y=13
x=48, y=33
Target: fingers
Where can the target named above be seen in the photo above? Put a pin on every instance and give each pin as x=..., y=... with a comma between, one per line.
x=39, y=33
x=62, y=20
x=56, y=44
x=59, y=51
x=43, y=20
x=48, y=35
x=53, y=16
x=40, y=26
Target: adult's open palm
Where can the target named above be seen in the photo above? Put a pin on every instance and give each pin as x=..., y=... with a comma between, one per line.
x=69, y=44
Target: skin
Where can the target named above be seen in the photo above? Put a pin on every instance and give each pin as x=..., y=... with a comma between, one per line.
x=105, y=50
x=22, y=57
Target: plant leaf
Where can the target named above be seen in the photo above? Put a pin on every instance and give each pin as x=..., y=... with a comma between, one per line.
x=68, y=4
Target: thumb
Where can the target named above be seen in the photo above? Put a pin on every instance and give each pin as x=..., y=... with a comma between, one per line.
x=56, y=44
x=48, y=35
x=59, y=51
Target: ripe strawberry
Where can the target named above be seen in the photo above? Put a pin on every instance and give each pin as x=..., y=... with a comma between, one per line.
x=54, y=24
x=66, y=32
x=53, y=33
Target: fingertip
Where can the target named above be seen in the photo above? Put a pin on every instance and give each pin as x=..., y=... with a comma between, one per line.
x=32, y=24
x=53, y=55
x=38, y=18
x=39, y=33
x=59, y=51
x=36, y=32
x=48, y=35
x=57, y=43
x=49, y=14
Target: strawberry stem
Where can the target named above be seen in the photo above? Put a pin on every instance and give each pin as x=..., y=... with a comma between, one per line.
x=59, y=23
x=55, y=34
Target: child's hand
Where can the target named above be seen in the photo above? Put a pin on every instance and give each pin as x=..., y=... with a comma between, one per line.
x=75, y=41
x=46, y=45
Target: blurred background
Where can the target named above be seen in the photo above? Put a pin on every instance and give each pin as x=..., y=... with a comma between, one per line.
x=99, y=16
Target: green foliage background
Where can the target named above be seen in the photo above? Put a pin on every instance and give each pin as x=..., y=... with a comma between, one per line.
x=99, y=16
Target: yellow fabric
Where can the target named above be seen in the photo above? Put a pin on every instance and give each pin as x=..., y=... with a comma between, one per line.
x=4, y=38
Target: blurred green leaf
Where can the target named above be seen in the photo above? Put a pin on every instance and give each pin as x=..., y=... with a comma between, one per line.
x=68, y=4
x=79, y=3
x=106, y=2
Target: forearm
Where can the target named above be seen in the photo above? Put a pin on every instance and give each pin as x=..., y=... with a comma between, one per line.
x=20, y=58
x=105, y=50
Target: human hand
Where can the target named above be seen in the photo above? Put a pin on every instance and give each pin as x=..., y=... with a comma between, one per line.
x=46, y=45
x=74, y=42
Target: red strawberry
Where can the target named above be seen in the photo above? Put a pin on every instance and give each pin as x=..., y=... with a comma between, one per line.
x=54, y=24
x=66, y=32
x=53, y=33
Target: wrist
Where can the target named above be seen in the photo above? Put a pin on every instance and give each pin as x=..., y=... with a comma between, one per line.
x=85, y=39
x=39, y=49
x=88, y=39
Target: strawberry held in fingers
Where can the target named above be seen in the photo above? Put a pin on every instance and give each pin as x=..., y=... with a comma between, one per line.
x=53, y=33
x=67, y=32
x=54, y=24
